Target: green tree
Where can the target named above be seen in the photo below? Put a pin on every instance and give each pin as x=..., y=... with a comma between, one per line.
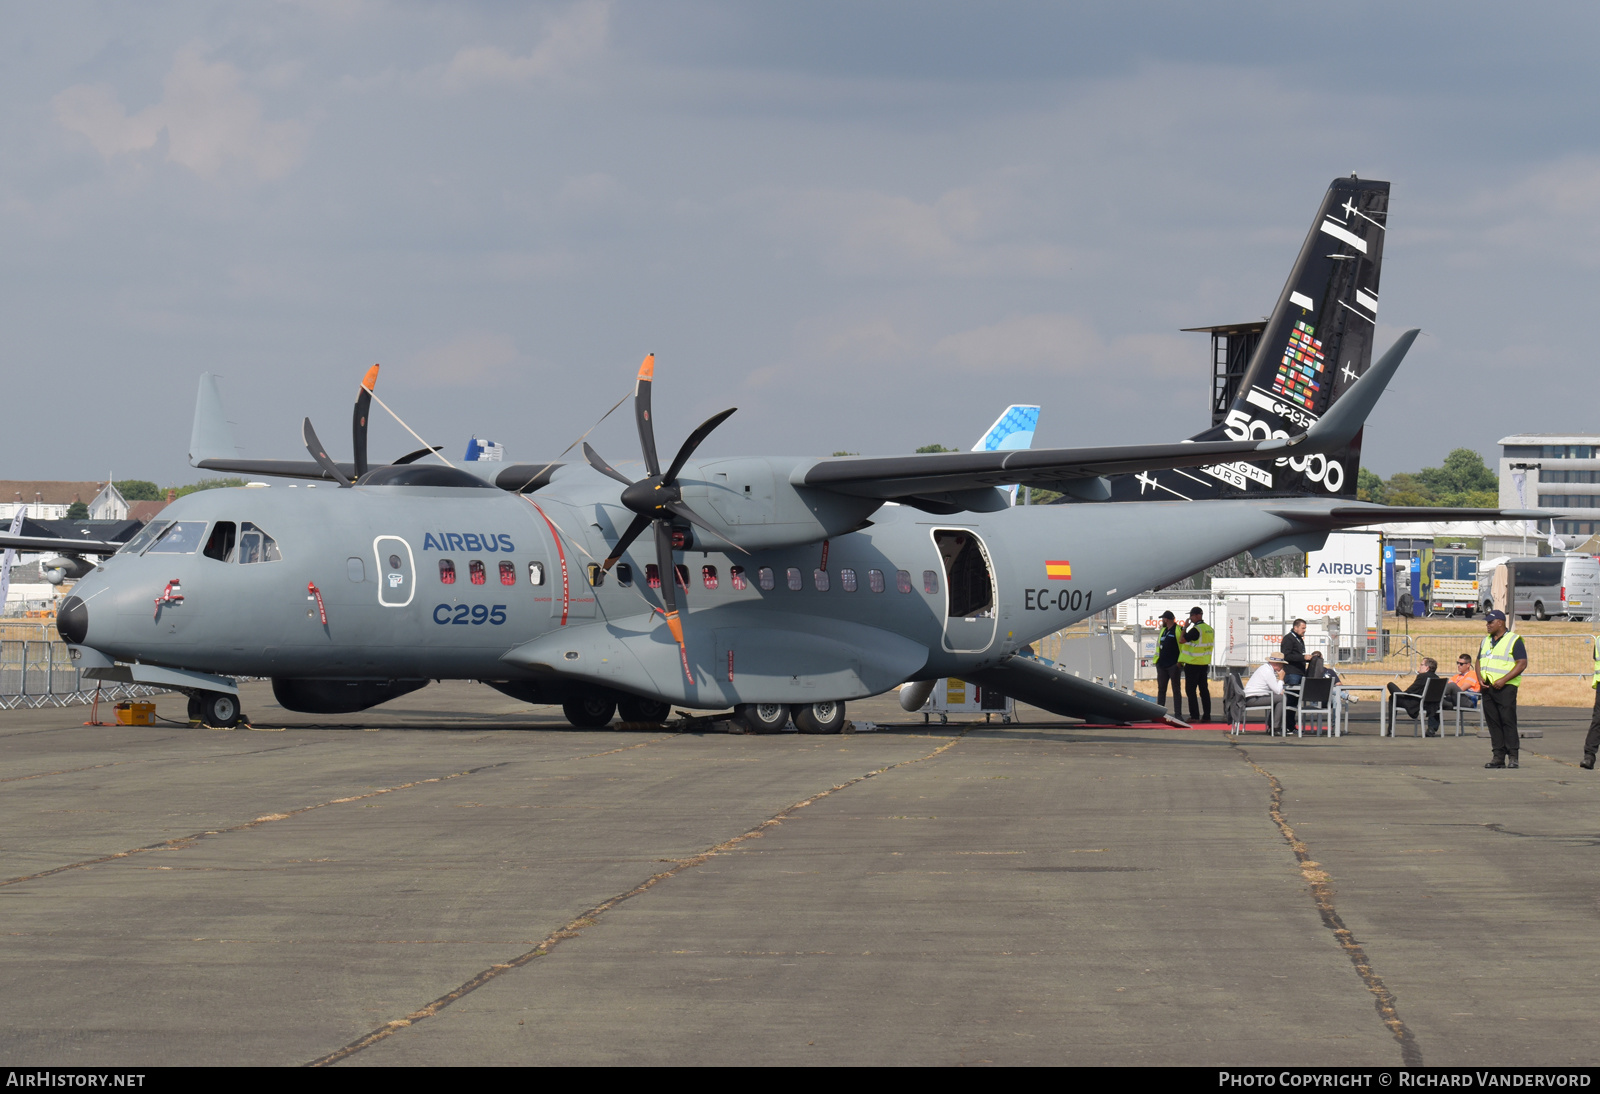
x=77, y=511
x=936, y=448
x=1369, y=487
x=139, y=490
x=205, y=484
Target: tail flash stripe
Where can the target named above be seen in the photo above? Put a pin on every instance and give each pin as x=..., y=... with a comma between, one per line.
x=1302, y=300
x=1344, y=235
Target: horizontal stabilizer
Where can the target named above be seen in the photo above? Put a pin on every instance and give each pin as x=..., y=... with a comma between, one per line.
x=1345, y=418
x=1355, y=516
x=1039, y=685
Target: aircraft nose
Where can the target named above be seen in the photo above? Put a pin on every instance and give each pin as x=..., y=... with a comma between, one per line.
x=72, y=620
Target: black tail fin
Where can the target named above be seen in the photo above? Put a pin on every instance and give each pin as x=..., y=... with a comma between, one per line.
x=1318, y=340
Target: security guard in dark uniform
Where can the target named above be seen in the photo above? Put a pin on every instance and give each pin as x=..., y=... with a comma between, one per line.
x=1501, y=659
x=1167, y=669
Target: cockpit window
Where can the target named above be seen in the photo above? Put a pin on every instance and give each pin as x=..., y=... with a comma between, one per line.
x=146, y=534
x=220, y=545
x=256, y=546
x=181, y=537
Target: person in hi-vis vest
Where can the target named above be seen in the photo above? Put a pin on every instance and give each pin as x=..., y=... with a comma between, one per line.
x=1194, y=654
x=1592, y=742
x=1501, y=659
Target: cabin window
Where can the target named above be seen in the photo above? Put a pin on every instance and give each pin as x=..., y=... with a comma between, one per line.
x=708, y=576
x=847, y=580
x=256, y=546
x=447, y=571
x=930, y=581
x=796, y=582
x=682, y=573
x=535, y=573
x=737, y=578
x=875, y=580
x=819, y=578
x=624, y=574
x=508, y=573
x=765, y=579
x=220, y=545
x=597, y=576
x=355, y=569
x=652, y=575
x=476, y=571
x=902, y=581
x=181, y=537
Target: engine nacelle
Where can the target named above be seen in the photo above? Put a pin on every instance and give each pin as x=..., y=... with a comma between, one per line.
x=752, y=502
x=65, y=567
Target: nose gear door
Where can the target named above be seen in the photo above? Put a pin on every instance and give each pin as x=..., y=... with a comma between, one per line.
x=397, y=571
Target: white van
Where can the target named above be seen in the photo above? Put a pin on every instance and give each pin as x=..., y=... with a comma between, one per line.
x=1567, y=586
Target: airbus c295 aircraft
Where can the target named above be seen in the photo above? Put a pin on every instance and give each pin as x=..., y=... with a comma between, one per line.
x=780, y=587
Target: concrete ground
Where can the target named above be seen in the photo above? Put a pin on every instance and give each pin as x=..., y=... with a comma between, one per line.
x=457, y=879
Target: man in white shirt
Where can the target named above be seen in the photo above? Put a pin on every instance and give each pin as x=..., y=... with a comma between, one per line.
x=1268, y=681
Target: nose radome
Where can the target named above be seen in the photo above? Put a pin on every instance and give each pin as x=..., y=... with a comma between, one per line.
x=72, y=620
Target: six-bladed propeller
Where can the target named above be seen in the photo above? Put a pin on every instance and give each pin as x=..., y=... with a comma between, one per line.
x=657, y=498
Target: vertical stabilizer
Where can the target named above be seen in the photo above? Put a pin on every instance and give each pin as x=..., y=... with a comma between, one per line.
x=1011, y=432
x=1317, y=341
x=211, y=438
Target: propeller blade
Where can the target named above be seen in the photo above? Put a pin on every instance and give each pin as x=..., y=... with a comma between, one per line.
x=689, y=515
x=694, y=442
x=595, y=461
x=640, y=523
x=641, y=415
x=320, y=454
x=358, y=420
x=413, y=457
x=669, y=579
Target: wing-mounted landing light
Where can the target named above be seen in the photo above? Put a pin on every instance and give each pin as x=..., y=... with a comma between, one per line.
x=657, y=498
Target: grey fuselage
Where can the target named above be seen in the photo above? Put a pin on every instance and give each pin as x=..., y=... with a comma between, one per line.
x=373, y=553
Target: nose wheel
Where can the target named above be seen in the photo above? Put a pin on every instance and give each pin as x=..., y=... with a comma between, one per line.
x=214, y=708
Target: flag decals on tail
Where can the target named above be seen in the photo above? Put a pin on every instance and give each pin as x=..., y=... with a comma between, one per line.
x=1058, y=570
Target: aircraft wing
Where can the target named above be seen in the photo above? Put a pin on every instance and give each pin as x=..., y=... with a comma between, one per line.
x=904, y=478
x=1047, y=688
x=61, y=546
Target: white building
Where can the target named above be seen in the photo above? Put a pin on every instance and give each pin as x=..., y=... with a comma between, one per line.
x=51, y=500
x=1555, y=471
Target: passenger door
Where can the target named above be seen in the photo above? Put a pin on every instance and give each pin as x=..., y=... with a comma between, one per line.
x=396, y=571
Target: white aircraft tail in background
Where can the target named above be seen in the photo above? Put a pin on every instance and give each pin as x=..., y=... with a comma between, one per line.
x=1011, y=432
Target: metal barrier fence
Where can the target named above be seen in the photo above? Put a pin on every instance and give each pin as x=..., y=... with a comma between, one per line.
x=41, y=673
x=1548, y=654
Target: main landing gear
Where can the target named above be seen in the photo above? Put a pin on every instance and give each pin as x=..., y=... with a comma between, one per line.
x=214, y=708
x=823, y=717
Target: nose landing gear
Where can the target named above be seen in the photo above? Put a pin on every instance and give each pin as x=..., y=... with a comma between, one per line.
x=214, y=708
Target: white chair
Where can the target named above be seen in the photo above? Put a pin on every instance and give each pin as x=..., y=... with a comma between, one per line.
x=1432, y=695
x=1462, y=707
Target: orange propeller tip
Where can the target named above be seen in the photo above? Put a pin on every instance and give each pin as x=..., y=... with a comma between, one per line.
x=647, y=369
x=675, y=625
x=371, y=379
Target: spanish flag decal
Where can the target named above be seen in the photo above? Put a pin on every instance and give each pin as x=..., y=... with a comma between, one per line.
x=1058, y=571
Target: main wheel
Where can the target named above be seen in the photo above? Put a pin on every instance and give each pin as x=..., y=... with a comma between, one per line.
x=824, y=717
x=218, y=708
x=1538, y=611
x=590, y=712
x=643, y=710
x=762, y=717
x=196, y=711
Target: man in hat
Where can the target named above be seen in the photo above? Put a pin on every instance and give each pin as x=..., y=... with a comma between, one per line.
x=1167, y=668
x=1501, y=659
x=1268, y=681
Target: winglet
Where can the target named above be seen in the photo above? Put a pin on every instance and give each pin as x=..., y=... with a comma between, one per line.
x=1345, y=417
x=212, y=436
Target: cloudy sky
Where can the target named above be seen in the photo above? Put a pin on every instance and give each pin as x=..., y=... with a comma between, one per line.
x=867, y=225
